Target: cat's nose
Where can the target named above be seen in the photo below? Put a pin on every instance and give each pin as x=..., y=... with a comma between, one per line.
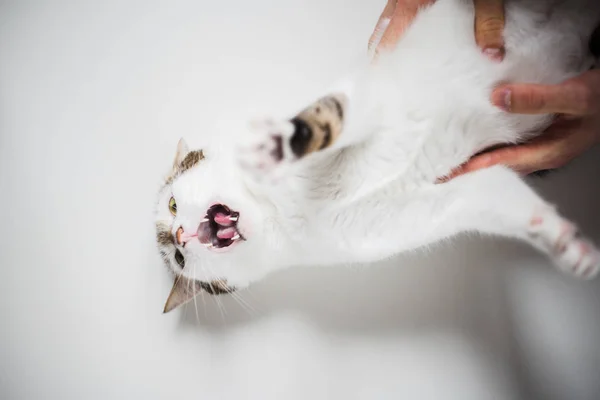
x=178, y=235
x=181, y=237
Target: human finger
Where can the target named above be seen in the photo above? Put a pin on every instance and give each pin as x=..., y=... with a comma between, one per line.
x=545, y=153
x=382, y=24
x=489, y=27
x=403, y=14
x=577, y=96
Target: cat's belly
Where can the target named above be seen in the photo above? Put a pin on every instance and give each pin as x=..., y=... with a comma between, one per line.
x=376, y=226
x=432, y=95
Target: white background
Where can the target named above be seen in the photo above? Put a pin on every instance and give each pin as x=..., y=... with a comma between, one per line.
x=93, y=97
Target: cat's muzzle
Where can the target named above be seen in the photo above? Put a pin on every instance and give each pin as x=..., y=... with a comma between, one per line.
x=219, y=228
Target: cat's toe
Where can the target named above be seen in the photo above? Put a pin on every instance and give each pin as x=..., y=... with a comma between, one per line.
x=559, y=237
x=580, y=258
x=588, y=265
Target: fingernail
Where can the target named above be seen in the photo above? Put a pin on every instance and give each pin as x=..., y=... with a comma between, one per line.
x=494, y=53
x=502, y=99
x=378, y=33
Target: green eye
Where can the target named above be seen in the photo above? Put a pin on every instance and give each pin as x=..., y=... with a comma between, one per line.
x=173, y=206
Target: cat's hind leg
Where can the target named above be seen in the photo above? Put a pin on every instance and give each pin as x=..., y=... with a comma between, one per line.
x=497, y=201
x=492, y=201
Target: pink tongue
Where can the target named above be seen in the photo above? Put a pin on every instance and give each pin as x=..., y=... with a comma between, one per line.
x=223, y=219
x=226, y=233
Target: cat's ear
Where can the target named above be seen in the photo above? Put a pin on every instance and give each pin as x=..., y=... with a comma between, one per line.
x=183, y=291
x=182, y=151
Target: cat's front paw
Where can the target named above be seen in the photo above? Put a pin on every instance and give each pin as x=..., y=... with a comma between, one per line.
x=267, y=148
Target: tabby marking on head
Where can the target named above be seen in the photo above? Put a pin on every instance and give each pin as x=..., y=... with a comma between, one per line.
x=191, y=159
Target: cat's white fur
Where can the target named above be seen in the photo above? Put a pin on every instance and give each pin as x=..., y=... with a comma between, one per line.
x=413, y=115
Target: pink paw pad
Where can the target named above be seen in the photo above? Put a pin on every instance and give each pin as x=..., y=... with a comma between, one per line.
x=264, y=152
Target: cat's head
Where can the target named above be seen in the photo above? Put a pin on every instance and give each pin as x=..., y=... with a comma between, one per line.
x=210, y=229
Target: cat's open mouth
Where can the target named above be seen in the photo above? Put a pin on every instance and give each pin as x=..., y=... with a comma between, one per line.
x=219, y=229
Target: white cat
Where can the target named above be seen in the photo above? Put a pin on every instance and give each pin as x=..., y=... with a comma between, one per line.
x=352, y=177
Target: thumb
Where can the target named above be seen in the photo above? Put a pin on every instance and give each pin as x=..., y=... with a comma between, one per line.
x=523, y=159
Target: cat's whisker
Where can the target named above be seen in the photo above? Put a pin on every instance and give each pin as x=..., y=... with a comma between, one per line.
x=219, y=304
x=203, y=302
x=189, y=283
x=217, y=301
x=218, y=298
x=243, y=303
x=236, y=296
x=201, y=292
x=250, y=292
x=195, y=303
x=218, y=307
x=245, y=306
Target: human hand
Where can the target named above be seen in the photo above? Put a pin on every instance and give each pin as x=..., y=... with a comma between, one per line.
x=577, y=101
x=577, y=129
x=399, y=14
